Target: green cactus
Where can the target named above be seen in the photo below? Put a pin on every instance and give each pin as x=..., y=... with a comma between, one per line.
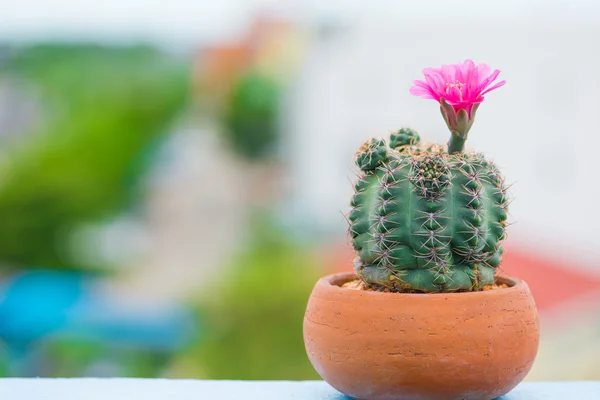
x=424, y=219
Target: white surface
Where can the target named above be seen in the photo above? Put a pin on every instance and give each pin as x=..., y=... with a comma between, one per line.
x=159, y=389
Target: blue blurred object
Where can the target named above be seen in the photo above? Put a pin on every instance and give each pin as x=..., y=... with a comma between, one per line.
x=34, y=304
x=41, y=307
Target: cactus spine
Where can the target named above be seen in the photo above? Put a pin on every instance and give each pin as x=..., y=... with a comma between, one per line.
x=424, y=219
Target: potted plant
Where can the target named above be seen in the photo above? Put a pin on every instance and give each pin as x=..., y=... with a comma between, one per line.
x=426, y=315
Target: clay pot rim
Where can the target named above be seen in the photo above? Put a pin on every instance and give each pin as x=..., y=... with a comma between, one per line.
x=334, y=282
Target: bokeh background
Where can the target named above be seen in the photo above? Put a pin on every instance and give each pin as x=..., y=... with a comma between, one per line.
x=173, y=175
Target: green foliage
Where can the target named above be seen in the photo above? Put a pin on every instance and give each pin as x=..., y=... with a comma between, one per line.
x=424, y=220
x=3, y=360
x=73, y=357
x=253, y=317
x=104, y=109
x=251, y=115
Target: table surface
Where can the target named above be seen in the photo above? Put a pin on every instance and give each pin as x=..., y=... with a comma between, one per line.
x=163, y=389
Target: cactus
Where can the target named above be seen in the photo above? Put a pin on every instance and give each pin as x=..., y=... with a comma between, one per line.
x=425, y=219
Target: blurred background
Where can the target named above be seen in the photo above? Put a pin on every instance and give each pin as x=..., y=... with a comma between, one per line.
x=173, y=176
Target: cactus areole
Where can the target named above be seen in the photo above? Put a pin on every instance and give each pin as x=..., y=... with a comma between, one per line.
x=429, y=218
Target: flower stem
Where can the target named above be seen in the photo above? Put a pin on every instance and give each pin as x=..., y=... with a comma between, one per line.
x=456, y=143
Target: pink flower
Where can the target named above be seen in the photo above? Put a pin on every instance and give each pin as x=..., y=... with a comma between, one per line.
x=460, y=85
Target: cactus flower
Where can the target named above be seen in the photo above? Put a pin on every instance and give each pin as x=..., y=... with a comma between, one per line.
x=459, y=88
x=460, y=85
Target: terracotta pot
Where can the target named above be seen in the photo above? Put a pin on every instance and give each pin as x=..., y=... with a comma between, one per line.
x=383, y=346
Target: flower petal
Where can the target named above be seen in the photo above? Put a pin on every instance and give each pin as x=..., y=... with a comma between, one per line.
x=449, y=73
x=464, y=72
x=441, y=86
x=467, y=71
x=430, y=81
x=426, y=87
x=421, y=84
x=486, y=82
x=483, y=70
x=432, y=71
x=421, y=92
x=496, y=86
